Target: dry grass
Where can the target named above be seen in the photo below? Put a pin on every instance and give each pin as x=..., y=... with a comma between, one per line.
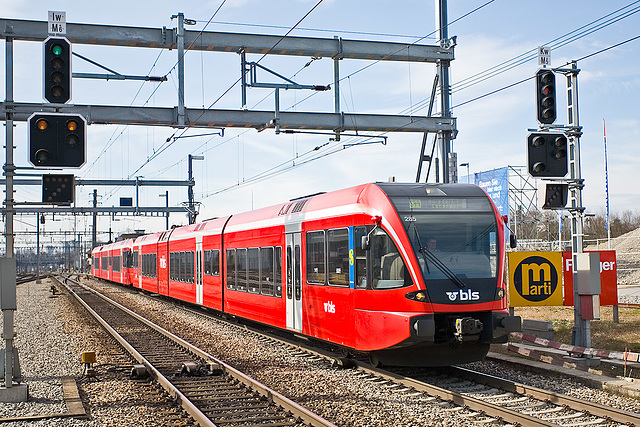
x=605, y=334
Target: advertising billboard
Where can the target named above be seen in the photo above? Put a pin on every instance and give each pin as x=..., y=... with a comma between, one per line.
x=496, y=183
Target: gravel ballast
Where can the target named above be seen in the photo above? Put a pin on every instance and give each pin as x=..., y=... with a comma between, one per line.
x=51, y=335
x=53, y=332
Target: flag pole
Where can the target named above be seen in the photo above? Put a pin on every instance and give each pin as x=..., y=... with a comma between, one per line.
x=606, y=183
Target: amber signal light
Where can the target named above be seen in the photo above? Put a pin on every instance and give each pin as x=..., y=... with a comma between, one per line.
x=42, y=124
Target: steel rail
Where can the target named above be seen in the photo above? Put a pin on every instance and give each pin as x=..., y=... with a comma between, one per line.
x=490, y=410
x=596, y=409
x=186, y=404
x=297, y=410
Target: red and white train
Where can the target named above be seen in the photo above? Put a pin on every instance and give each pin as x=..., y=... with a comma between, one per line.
x=410, y=274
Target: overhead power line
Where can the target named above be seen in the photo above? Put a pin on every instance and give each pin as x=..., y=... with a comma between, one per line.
x=563, y=40
x=532, y=77
x=171, y=140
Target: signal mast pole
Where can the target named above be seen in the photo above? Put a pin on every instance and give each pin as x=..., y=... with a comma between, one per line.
x=581, y=335
x=8, y=304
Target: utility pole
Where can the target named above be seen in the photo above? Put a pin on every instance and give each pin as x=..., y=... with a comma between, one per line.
x=180, y=42
x=94, y=231
x=444, y=136
x=38, y=217
x=192, y=204
x=166, y=215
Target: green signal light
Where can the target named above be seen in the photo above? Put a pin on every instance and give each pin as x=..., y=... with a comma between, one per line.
x=56, y=49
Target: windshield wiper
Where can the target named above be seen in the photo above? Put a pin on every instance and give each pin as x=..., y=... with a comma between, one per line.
x=421, y=250
x=437, y=262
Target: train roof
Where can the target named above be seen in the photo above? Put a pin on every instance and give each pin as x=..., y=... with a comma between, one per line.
x=356, y=199
x=434, y=190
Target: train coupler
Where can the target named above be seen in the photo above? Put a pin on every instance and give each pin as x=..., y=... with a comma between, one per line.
x=468, y=329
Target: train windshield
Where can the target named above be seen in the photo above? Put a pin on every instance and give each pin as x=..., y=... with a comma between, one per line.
x=454, y=240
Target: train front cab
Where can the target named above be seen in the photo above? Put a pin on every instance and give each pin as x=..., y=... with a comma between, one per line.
x=451, y=240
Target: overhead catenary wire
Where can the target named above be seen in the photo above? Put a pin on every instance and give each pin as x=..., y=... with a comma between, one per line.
x=172, y=139
x=279, y=169
x=563, y=40
x=583, y=34
x=532, y=77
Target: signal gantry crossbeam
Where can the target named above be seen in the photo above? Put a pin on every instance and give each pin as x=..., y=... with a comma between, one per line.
x=180, y=116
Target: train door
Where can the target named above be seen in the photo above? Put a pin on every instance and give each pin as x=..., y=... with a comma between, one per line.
x=198, y=270
x=138, y=254
x=294, y=282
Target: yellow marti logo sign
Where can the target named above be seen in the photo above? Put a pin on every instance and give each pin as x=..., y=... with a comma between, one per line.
x=535, y=278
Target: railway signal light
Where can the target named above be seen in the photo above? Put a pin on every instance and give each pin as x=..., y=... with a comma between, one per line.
x=555, y=196
x=547, y=154
x=546, y=96
x=57, y=140
x=57, y=70
x=58, y=189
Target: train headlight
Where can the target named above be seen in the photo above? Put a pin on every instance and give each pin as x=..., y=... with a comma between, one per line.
x=420, y=296
x=500, y=293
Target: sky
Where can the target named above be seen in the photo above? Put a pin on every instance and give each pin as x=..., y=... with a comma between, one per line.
x=492, y=123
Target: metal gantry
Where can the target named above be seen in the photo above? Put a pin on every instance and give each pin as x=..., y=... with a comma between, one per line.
x=180, y=116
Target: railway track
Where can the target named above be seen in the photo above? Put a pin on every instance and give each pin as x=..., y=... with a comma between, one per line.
x=478, y=397
x=546, y=407
x=24, y=278
x=487, y=398
x=628, y=305
x=210, y=391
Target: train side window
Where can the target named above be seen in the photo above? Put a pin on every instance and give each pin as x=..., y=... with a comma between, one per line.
x=178, y=260
x=212, y=262
x=191, y=259
x=389, y=269
x=215, y=262
x=266, y=271
x=241, y=263
x=188, y=270
x=315, y=258
x=135, y=259
x=185, y=270
x=277, y=271
x=231, y=268
x=116, y=264
x=338, y=256
x=154, y=265
x=105, y=266
x=253, y=270
x=176, y=266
